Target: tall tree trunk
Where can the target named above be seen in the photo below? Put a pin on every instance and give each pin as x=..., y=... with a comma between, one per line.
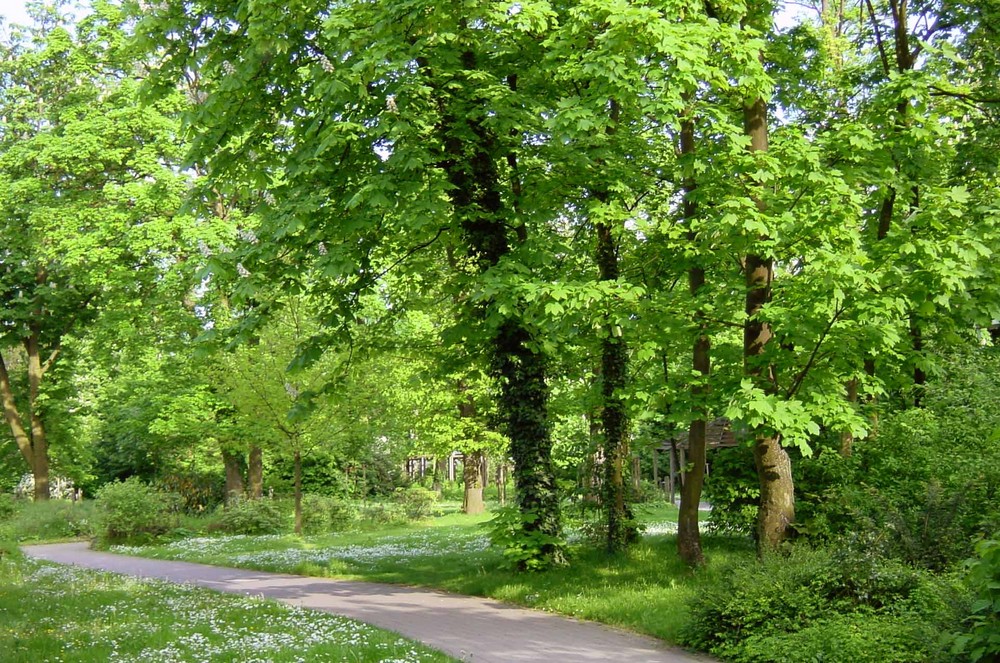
x=233, y=464
x=298, y=492
x=472, y=475
x=13, y=417
x=622, y=529
x=847, y=435
x=517, y=364
x=39, y=441
x=440, y=473
x=688, y=533
x=472, y=465
x=255, y=472
x=774, y=467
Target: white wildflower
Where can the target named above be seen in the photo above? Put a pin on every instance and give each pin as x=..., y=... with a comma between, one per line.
x=325, y=63
x=390, y=104
x=241, y=270
x=321, y=248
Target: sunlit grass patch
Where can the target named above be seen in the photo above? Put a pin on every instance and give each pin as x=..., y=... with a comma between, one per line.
x=59, y=613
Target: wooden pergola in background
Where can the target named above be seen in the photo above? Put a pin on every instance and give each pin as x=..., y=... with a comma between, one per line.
x=718, y=433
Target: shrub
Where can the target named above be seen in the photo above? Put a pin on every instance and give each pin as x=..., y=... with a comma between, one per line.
x=252, y=517
x=981, y=639
x=382, y=513
x=133, y=511
x=198, y=492
x=785, y=607
x=525, y=549
x=325, y=514
x=417, y=502
x=8, y=506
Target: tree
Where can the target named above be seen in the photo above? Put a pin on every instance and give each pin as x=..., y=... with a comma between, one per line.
x=86, y=193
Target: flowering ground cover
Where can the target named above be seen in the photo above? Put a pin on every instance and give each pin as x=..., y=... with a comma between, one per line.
x=59, y=613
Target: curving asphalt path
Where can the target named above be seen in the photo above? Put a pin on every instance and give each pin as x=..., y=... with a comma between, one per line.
x=468, y=628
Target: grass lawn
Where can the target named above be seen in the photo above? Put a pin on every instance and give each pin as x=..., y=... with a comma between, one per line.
x=60, y=613
x=646, y=590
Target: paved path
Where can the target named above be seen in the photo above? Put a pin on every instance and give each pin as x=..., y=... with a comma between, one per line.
x=468, y=628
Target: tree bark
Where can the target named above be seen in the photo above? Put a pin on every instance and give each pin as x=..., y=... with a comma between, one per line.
x=233, y=464
x=39, y=441
x=688, y=533
x=255, y=472
x=472, y=475
x=774, y=467
x=614, y=421
x=517, y=365
x=440, y=472
x=298, y=492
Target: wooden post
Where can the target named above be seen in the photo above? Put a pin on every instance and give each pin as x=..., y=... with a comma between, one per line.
x=672, y=480
x=656, y=466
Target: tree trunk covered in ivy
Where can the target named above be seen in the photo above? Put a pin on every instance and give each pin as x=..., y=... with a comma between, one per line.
x=517, y=365
x=614, y=421
x=688, y=534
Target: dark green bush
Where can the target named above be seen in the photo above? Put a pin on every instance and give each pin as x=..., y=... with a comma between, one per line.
x=417, y=502
x=778, y=609
x=8, y=506
x=252, y=517
x=980, y=639
x=382, y=513
x=134, y=511
x=322, y=514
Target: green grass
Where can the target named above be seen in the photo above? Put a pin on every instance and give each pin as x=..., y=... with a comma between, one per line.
x=60, y=613
x=646, y=589
x=55, y=520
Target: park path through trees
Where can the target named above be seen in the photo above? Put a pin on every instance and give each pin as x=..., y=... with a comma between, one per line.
x=468, y=628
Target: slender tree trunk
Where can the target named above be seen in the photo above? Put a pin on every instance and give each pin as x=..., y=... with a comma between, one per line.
x=440, y=473
x=255, y=473
x=298, y=492
x=919, y=376
x=688, y=533
x=39, y=441
x=774, y=467
x=847, y=436
x=13, y=416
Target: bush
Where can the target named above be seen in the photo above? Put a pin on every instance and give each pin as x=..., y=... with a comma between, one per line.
x=198, y=492
x=981, y=639
x=382, y=513
x=789, y=608
x=8, y=506
x=417, y=502
x=322, y=514
x=252, y=517
x=133, y=511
